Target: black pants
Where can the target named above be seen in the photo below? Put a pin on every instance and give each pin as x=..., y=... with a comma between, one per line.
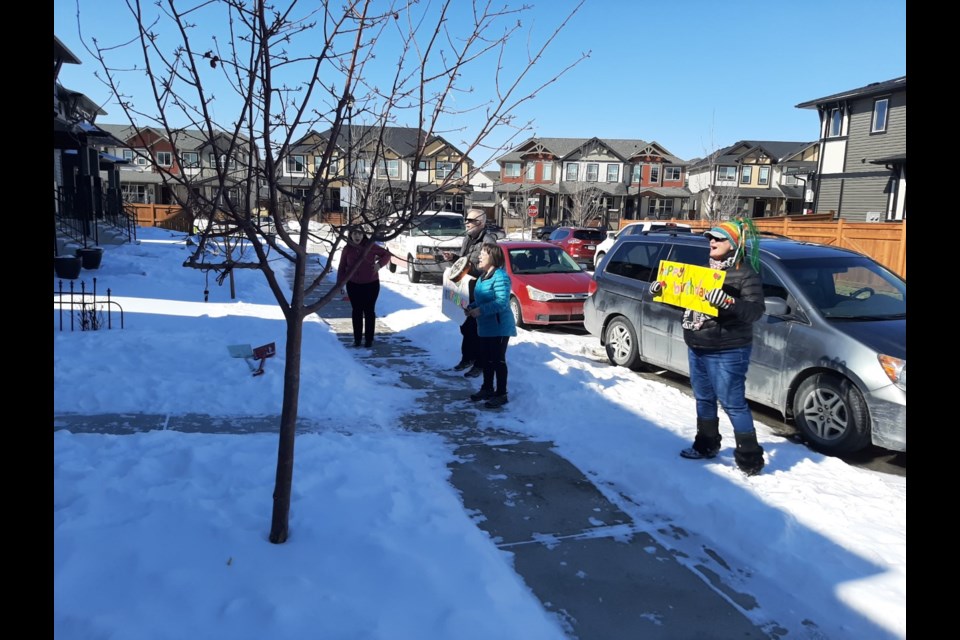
x=493, y=359
x=363, y=300
x=470, y=345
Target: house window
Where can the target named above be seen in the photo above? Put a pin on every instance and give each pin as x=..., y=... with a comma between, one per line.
x=836, y=122
x=636, y=173
x=137, y=193
x=141, y=159
x=423, y=165
x=763, y=175
x=360, y=167
x=880, y=115
x=296, y=164
x=613, y=173
x=655, y=174
x=660, y=207
x=128, y=154
x=220, y=161
x=511, y=169
x=388, y=169
x=190, y=160
x=548, y=171
x=301, y=193
x=164, y=158
x=530, y=172
x=671, y=173
x=573, y=171
x=746, y=174
x=450, y=169
x=448, y=202
x=726, y=174
x=593, y=171
x=518, y=203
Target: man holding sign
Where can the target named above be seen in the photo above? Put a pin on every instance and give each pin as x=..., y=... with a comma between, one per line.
x=721, y=303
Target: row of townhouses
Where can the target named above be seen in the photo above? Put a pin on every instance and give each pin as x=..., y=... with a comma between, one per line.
x=854, y=168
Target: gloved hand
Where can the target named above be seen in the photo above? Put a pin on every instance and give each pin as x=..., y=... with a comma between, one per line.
x=656, y=288
x=719, y=299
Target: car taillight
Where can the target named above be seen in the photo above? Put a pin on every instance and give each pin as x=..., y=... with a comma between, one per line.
x=592, y=287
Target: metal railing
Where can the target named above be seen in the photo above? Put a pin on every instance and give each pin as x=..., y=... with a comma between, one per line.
x=80, y=217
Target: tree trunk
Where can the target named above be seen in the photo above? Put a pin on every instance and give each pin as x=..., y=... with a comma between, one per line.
x=279, y=528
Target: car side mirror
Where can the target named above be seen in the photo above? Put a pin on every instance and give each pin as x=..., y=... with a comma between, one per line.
x=775, y=306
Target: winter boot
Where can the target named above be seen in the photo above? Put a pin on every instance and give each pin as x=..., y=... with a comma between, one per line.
x=749, y=454
x=707, y=442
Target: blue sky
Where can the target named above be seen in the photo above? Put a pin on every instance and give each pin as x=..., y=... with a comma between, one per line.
x=693, y=75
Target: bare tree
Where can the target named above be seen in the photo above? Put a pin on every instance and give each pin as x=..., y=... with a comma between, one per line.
x=317, y=68
x=584, y=203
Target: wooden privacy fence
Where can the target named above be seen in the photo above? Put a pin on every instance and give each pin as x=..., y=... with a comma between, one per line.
x=885, y=242
x=175, y=218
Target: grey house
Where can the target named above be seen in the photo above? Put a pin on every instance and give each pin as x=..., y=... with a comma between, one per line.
x=862, y=172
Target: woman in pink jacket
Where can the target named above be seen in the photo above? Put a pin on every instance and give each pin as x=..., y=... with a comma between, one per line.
x=359, y=263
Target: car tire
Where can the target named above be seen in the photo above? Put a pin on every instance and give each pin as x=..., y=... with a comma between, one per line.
x=621, y=343
x=412, y=274
x=831, y=414
x=517, y=312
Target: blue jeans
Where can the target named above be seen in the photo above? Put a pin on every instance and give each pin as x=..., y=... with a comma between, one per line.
x=721, y=375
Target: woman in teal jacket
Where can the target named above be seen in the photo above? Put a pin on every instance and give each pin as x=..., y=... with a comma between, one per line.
x=495, y=324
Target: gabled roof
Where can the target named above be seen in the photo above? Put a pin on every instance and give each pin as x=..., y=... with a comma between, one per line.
x=623, y=148
x=183, y=139
x=872, y=89
x=61, y=53
x=777, y=150
x=401, y=140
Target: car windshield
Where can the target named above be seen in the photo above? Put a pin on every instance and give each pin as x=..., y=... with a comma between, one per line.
x=850, y=288
x=438, y=226
x=542, y=260
x=590, y=235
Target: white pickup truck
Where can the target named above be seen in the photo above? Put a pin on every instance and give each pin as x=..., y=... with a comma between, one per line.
x=419, y=249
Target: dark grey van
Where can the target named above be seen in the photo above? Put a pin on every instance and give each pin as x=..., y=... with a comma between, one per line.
x=829, y=353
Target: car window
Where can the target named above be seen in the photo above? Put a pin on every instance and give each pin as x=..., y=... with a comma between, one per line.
x=689, y=254
x=772, y=286
x=592, y=235
x=853, y=288
x=559, y=234
x=636, y=260
x=438, y=226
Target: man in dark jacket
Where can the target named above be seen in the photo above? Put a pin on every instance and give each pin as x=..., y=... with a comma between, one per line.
x=719, y=347
x=477, y=235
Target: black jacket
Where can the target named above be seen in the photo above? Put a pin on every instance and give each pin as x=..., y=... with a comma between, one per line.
x=471, y=248
x=732, y=327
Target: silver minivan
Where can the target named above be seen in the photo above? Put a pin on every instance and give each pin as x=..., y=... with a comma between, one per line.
x=829, y=353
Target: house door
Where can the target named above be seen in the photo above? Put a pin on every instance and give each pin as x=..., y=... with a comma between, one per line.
x=759, y=208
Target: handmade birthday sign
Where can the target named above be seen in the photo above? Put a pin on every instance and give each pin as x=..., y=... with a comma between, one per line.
x=456, y=295
x=684, y=285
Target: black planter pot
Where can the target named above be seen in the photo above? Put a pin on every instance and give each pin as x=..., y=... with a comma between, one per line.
x=67, y=267
x=91, y=257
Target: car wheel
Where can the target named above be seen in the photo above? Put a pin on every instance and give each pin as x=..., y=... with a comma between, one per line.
x=623, y=348
x=412, y=274
x=517, y=313
x=831, y=414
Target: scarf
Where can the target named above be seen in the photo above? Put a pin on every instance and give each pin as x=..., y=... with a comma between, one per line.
x=693, y=320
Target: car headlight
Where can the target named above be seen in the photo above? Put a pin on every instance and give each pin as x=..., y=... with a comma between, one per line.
x=896, y=370
x=539, y=296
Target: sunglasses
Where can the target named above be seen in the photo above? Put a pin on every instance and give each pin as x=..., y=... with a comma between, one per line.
x=473, y=221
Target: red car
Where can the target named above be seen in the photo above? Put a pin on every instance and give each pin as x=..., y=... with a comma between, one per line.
x=548, y=286
x=580, y=242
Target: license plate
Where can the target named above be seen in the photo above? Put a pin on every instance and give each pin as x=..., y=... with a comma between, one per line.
x=591, y=247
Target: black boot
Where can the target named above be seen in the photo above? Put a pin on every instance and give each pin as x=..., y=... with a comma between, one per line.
x=749, y=453
x=707, y=442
